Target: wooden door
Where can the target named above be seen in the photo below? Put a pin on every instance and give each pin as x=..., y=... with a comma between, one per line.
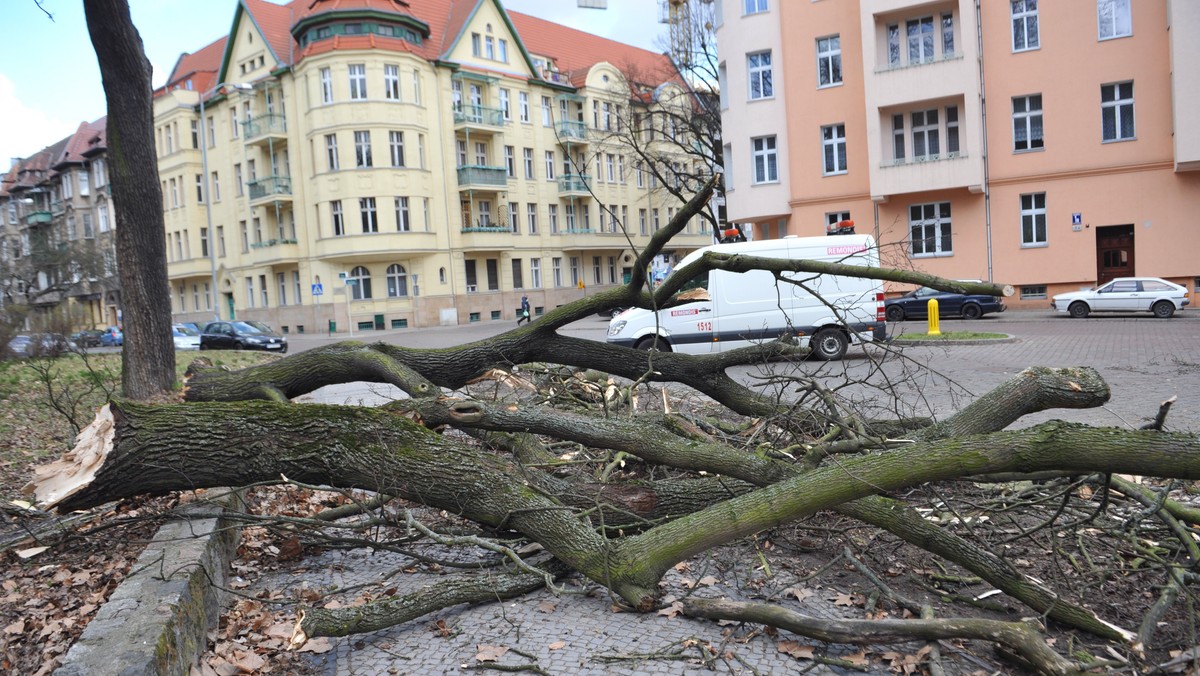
x=1114, y=253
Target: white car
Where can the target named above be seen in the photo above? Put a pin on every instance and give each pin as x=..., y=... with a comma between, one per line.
x=186, y=338
x=1125, y=294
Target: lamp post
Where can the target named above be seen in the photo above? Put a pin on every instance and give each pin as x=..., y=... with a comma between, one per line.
x=212, y=235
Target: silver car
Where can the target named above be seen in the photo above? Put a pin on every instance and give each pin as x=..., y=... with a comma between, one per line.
x=185, y=337
x=1125, y=294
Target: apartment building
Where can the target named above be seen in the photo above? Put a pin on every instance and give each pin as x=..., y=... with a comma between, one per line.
x=1048, y=145
x=57, y=237
x=375, y=164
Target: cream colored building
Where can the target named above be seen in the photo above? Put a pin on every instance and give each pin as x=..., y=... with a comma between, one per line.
x=1048, y=145
x=446, y=158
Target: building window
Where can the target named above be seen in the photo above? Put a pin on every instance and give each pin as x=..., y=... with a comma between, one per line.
x=833, y=218
x=642, y=222
x=947, y=35
x=833, y=146
x=925, y=134
x=518, y=280
x=397, y=281
x=531, y=218
x=262, y=287
x=326, y=85
x=403, y=219
x=929, y=228
x=758, y=66
x=249, y=292
x=552, y=212
x=1033, y=292
x=952, y=131
x=898, y=144
x=362, y=149
x=1027, y=122
x=396, y=147
x=829, y=61
x=535, y=273
x=391, y=82
x=523, y=105
x=556, y=271
x=280, y=282
x=549, y=165
x=1116, y=111
x=766, y=169
x=335, y=213
x=358, y=82
x=360, y=283
x=754, y=6
x=1033, y=219
x=506, y=104
x=331, y=154
x=527, y=156
x=1025, y=25
x=366, y=210
x=510, y=161
x=1115, y=18
x=547, y=119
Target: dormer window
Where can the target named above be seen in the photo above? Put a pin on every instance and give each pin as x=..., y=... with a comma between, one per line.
x=354, y=29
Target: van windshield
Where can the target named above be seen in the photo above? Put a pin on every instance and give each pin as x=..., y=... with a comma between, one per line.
x=694, y=289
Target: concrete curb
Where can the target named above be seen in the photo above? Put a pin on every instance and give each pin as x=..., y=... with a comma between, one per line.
x=899, y=340
x=156, y=621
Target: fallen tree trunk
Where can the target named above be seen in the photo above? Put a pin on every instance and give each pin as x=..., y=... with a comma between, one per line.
x=152, y=450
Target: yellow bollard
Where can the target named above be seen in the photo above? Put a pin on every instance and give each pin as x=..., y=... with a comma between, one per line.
x=934, y=324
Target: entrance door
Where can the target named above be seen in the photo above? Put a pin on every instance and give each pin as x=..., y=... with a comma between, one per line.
x=1114, y=253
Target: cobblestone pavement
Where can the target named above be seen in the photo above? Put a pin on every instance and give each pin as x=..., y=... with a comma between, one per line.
x=1144, y=360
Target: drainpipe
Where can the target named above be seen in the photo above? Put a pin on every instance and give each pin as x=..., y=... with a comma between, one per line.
x=987, y=192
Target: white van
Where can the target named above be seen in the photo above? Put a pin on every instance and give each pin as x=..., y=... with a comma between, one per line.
x=721, y=310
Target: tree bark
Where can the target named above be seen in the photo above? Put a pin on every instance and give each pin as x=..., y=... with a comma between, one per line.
x=148, y=368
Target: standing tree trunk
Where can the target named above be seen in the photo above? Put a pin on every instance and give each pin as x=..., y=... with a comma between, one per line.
x=149, y=356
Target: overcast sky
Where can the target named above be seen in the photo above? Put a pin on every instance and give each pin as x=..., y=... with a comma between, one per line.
x=49, y=81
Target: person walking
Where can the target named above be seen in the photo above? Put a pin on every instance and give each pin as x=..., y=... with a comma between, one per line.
x=524, y=314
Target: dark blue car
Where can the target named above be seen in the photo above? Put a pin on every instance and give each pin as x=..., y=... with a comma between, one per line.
x=915, y=305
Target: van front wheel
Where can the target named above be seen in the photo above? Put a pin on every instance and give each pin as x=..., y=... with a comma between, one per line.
x=652, y=344
x=829, y=344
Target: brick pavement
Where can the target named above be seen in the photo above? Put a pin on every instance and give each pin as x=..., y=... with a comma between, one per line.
x=1144, y=361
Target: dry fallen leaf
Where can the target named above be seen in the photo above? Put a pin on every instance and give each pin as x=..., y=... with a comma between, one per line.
x=801, y=652
x=317, y=646
x=557, y=645
x=489, y=653
x=708, y=581
x=858, y=659
x=547, y=606
x=672, y=610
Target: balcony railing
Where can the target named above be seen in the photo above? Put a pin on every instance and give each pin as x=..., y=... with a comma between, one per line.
x=555, y=77
x=264, y=124
x=571, y=129
x=488, y=227
x=271, y=185
x=571, y=183
x=38, y=217
x=466, y=113
x=474, y=174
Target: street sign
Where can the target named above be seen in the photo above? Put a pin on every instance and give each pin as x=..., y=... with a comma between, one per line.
x=1076, y=218
x=318, y=289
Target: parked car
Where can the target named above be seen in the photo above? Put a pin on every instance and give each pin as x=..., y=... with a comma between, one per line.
x=240, y=336
x=112, y=337
x=185, y=337
x=915, y=304
x=41, y=345
x=261, y=326
x=87, y=337
x=1125, y=294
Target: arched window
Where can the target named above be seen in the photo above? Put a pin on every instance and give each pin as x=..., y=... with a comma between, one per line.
x=397, y=281
x=442, y=275
x=362, y=283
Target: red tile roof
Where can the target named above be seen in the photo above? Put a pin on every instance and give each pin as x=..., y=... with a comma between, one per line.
x=201, y=67
x=275, y=22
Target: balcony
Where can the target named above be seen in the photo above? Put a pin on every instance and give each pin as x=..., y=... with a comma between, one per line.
x=477, y=117
x=571, y=130
x=573, y=185
x=38, y=218
x=57, y=207
x=265, y=128
x=474, y=176
x=275, y=251
x=273, y=188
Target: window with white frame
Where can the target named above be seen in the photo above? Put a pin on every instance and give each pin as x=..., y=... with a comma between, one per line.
x=549, y=165
x=929, y=230
x=360, y=283
x=358, y=82
x=362, y=149
x=552, y=212
x=510, y=161
x=766, y=160
x=829, y=61
x=396, y=148
x=1116, y=111
x=926, y=140
x=280, y=283
x=514, y=217
x=391, y=82
x=527, y=158
x=403, y=219
x=833, y=218
x=758, y=66
x=833, y=147
x=1025, y=34
x=366, y=210
x=535, y=273
x=397, y=281
x=1115, y=18
x=336, y=217
x=262, y=287
x=546, y=111
x=754, y=6
x=506, y=104
x=523, y=105
x=1033, y=219
x=331, y=154
x=1027, y=122
x=920, y=41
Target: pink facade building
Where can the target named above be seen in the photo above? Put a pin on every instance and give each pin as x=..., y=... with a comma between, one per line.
x=1047, y=145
